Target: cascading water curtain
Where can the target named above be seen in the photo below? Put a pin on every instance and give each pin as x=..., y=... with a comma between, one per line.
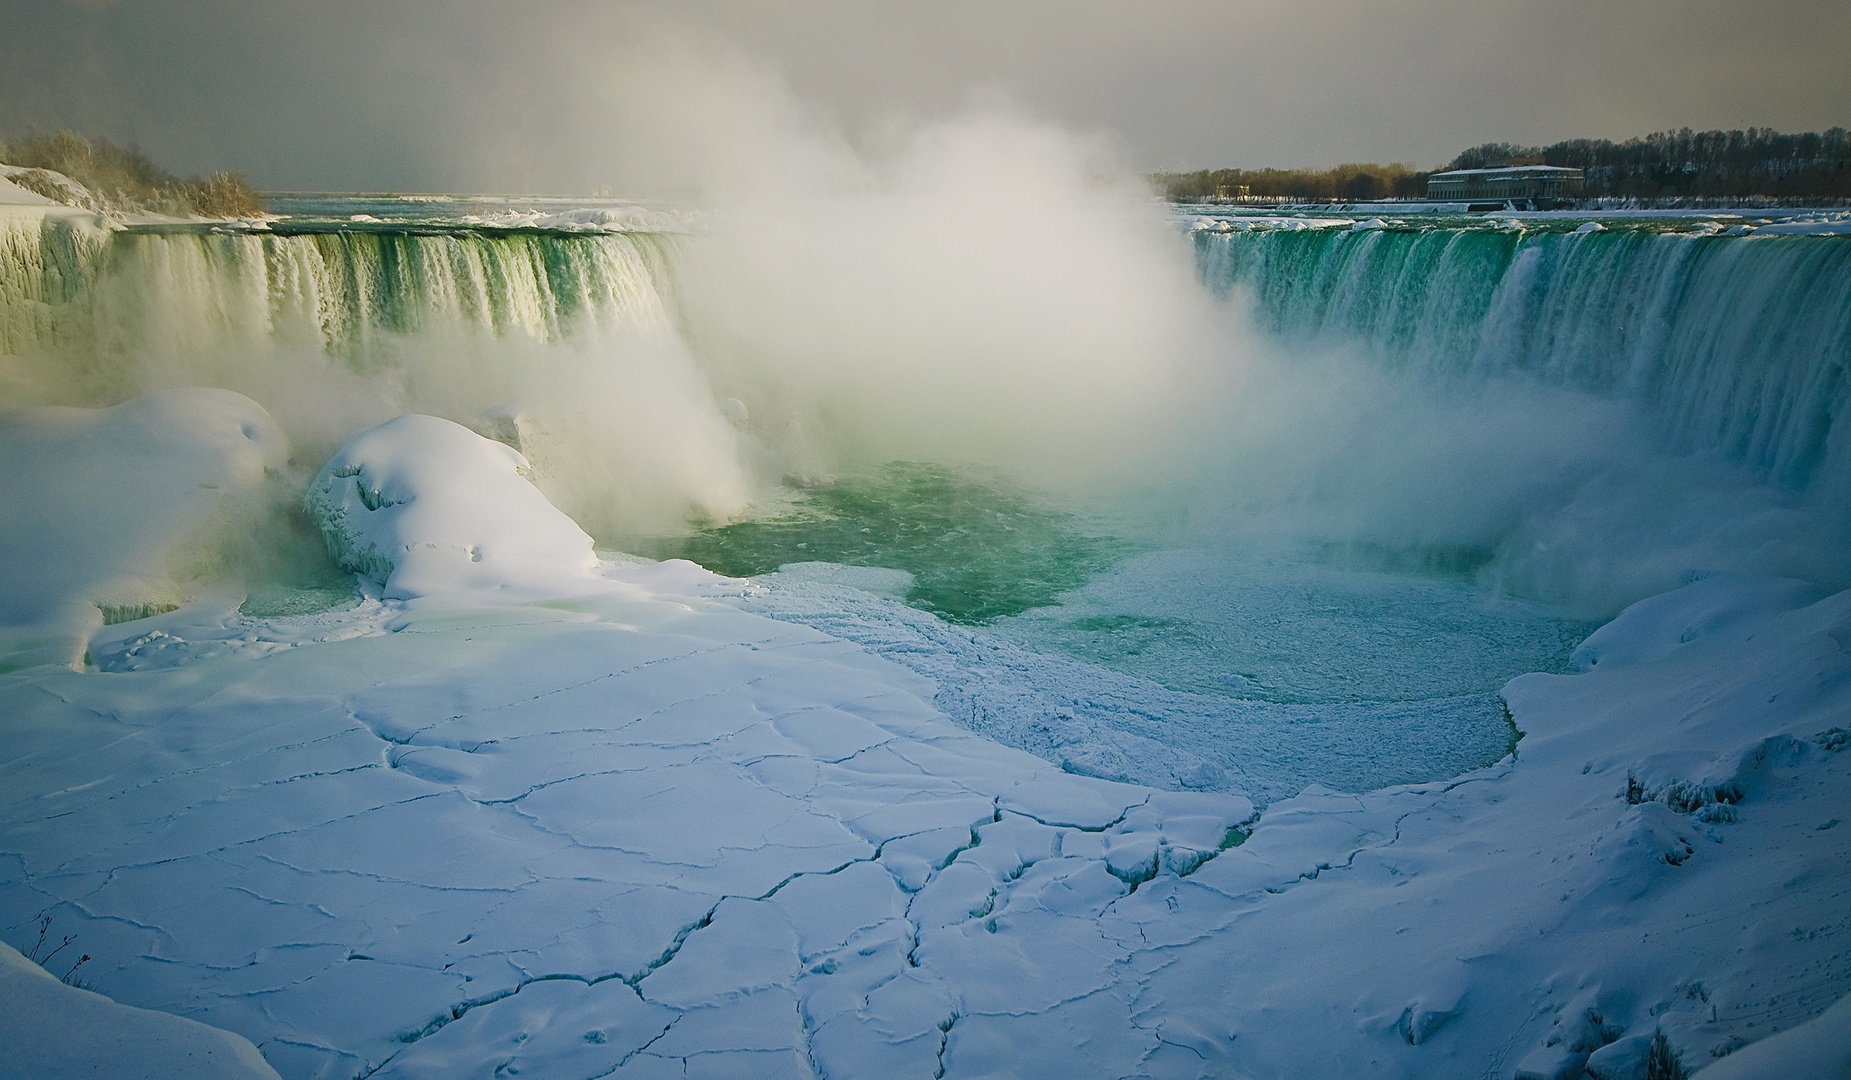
x=1734, y=344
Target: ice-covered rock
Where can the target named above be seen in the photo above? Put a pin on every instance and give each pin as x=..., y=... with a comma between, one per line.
x=424, y=506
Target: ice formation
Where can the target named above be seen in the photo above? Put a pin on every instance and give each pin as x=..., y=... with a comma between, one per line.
x=104, y=508
x=422, y=505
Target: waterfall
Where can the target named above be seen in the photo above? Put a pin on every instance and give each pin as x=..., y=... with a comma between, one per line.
x=1736, y=345
x=1721, y=349
x=570, y=338
x=167, y=292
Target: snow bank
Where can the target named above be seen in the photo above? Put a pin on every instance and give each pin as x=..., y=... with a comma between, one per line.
x=425, y=506
x=1826, y=224
x=12, y=194
x=50, y=1031
x=106, y=510
x=43, y=191
x=1821, y=1048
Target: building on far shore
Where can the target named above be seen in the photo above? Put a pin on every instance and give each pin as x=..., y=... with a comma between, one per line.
x=1540, y=186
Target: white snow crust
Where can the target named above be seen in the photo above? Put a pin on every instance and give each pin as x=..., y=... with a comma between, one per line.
x=634, y=830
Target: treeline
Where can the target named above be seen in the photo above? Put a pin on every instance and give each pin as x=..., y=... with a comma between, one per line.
x=1664, y=164
x=1727, y=164
x=1345, y=183
x=124, y=177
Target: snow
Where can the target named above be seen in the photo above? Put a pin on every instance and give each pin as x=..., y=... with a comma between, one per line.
x=1259, y=222
x=1820, y=224
x=23, y=189
x=422, y=505
x=536, y=815
x=1820, y=1047
x=601, y=219
x=12, y=194
x=97, y=1037
x=104, y=507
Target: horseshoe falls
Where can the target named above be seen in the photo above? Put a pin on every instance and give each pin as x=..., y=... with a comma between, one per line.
x=949, y=632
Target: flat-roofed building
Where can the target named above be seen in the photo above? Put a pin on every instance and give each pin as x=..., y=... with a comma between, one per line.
x=1515, y=183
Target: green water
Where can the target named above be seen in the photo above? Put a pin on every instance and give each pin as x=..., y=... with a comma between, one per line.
x=977, y=547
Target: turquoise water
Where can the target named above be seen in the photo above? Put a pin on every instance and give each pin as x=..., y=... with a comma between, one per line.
x=1299, y=624
x=978, y=547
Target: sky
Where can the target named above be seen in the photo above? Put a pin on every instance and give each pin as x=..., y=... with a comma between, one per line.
x=564, y=95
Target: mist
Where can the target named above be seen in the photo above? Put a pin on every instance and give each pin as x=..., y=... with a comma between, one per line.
x=1531, y=490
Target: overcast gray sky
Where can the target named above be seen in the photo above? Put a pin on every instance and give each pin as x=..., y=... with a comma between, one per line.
x=469, y=94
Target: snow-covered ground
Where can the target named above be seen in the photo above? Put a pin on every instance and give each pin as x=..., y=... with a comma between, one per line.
x=518, y=812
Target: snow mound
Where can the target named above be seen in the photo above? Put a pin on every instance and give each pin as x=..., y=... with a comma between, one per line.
x=1820, y=1047
x=49, y=1031
x=425, y=506
x=106, y=507
x=1652, y=628
x=14, y=194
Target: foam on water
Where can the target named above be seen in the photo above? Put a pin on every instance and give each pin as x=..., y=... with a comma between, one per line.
x=1294, y=627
